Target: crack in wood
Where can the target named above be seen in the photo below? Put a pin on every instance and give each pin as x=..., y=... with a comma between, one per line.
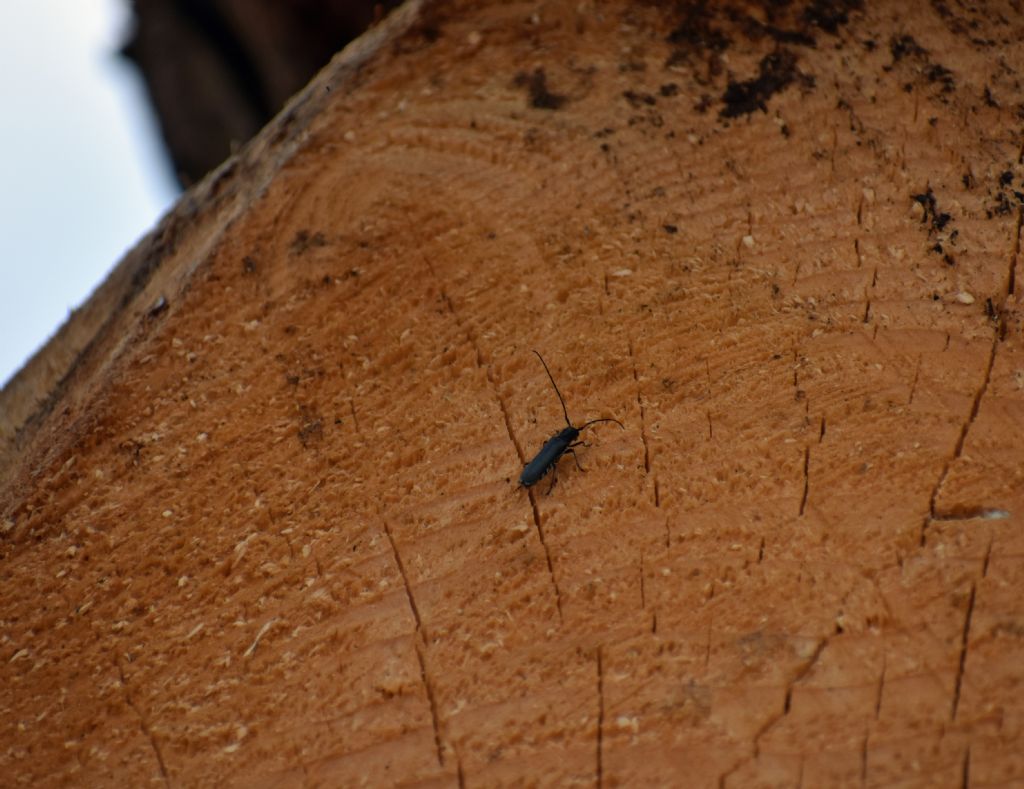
x=643, y=425
x=881, y=686
x=144, y=725
x=807, y=480
x=643, y=596
x=508, y=428
x=961, y=438
x=431, y=700
x=963, y=652
x=998, y=335
x=640, y=405
x=479, y=362
x=913, y=384
x=355, y=419
x=801, y=673
x=547, y=554
x=419, y=644
x=600, y=719
x=405, y=578
x=987, y=559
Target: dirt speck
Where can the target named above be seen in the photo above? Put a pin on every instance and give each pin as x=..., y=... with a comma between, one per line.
x=540, y=96
x=776, y=72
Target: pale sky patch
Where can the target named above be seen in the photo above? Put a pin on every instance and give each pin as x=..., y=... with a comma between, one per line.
x=82, y=173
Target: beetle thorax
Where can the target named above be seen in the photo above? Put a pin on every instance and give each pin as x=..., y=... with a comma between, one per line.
x=568, y=434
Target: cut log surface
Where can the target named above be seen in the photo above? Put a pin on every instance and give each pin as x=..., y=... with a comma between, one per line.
x=265, y=528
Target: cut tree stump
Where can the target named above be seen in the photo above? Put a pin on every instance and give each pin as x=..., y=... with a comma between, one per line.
x=261, y=522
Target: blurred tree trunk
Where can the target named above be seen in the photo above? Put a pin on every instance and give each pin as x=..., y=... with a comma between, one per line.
x=218, y=70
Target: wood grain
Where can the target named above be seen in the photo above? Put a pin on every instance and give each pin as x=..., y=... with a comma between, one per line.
x=273, y=535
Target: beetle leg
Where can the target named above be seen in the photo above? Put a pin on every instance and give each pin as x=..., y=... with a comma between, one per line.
x=554, y=477
x=570, y=449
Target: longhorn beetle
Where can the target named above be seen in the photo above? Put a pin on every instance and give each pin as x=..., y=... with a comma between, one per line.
x=556, y=446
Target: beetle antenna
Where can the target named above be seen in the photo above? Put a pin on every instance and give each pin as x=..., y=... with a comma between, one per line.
x=560, y=399
x=595, y=421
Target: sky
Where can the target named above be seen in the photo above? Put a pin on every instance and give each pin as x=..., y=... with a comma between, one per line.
x=83, y=175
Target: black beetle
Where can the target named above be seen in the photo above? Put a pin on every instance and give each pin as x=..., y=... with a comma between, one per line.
x=556, y=446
